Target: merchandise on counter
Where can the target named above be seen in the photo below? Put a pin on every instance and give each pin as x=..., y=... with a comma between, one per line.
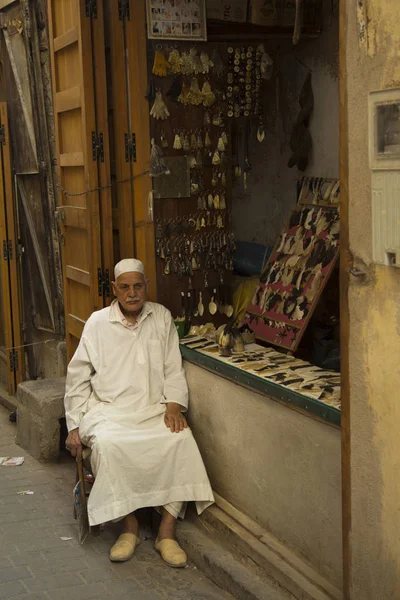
x=287, y=371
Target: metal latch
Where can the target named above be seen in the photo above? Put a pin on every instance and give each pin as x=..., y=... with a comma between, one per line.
x=103, y=282
x=97, y=146
x=130, y=147
x=7, y=250
x=124, y=9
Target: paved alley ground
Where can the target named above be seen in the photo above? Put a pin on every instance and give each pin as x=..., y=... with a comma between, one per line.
x=36, y=563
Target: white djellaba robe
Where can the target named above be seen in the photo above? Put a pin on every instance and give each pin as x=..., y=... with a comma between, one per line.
x=118, y=383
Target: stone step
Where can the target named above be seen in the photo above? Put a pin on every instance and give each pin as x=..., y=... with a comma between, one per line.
x=242, y=580
x=258, y=550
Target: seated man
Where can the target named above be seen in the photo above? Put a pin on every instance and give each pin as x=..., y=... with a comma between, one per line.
x=125, y=395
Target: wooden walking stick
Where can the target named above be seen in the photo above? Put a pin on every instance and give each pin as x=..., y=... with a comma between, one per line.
x=80, y=503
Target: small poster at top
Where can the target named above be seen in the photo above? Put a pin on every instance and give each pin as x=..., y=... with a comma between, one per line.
x=176, y=19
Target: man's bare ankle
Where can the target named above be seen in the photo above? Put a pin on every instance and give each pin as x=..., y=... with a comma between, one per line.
x=130, y=525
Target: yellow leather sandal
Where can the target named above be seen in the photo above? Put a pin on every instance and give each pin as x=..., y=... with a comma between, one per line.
x=171, y=553
x=124, y=547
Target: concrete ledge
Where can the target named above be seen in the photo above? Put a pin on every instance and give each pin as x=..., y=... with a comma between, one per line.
x=40, y=408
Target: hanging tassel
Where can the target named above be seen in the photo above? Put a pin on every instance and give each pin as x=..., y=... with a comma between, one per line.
x=175, y=89
x=222, y=202
x=221, y=145
x=177, y=142
x=182, y=137
x=157, y=163
x=208, y=95
x=186, y=64
x=159, y=110
x=216, y=202
x=193, y=141
x=200, y=144
x=206, y=63
x=216, y=159
x=174, y=60
x=195, y=61
x=224, y=138
x=194, y=95
x=223, y=179
x=192, y=162
x=210, y=201
x=161, y=66
x=207, y=140
x=261, y=131
x=183, y=96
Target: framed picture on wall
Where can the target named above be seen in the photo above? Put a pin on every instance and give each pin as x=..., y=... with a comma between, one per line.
x=176, y=20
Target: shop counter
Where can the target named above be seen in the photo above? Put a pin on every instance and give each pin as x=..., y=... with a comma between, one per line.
x=285, y=378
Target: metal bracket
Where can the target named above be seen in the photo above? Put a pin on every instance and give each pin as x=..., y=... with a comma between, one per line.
x=91, y=8
x=2, y=135
x=97, y=146
x=130, y=147
x=13, y=360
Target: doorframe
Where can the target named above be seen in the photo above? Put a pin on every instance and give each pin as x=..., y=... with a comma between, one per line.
x=345, y=264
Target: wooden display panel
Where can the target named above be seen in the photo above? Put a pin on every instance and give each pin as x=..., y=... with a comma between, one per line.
x=289, y=291
x=80, y=107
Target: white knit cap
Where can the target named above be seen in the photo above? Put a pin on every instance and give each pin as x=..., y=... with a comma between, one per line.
x=128, y=265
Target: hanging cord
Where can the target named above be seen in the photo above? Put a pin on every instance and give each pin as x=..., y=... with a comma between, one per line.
x=100, y=187
x=33, y=344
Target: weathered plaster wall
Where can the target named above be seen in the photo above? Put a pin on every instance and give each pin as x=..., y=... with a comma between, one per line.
x=271, y=193
x=276, y=465
x=372, y=62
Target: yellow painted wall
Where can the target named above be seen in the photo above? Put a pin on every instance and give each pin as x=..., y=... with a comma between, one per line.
x=372, y=62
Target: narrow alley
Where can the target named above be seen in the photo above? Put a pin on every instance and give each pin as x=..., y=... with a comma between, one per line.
x=36, y=563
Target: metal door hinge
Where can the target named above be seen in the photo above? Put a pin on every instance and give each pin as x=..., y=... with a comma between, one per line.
x=97, y=146
x=124, y=9
x=103, y=282
x=2, y=135
x=91, y=8
x=130, y=147
x=7, y=250
x=13, y=360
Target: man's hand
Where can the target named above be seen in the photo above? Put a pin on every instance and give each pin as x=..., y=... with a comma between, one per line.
x=73, y=443
x=174, y=418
